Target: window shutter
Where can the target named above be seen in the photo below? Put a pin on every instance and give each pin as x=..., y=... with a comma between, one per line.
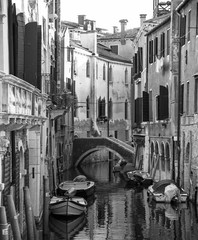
x=39, y=57
x=163, y=103
x=150, y=107
x=30, y=57
x=145, y=106
x=138, y=110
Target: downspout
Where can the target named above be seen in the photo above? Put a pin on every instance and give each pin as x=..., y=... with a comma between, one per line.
x=108, y=99
x=178, y=114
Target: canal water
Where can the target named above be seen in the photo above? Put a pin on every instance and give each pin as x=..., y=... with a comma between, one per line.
x=120, y=213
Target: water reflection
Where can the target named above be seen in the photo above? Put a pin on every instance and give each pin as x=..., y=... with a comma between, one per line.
x=121, y=213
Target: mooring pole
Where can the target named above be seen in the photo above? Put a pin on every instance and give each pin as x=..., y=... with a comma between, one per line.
x=13, y=218
x=4, y=233
x=29, y=215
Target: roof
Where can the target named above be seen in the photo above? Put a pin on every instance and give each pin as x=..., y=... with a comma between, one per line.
x=130, y=33
x=105, y=52
x=168, y=18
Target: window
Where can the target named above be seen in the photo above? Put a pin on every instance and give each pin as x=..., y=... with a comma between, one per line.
x=126, y=135
x=114, y=49
x=110, y=109
x=150, y=106
x=183, y=29
x=101, y=108
x=151, y=51
x=196, y=94
x=162, y=45
x=162, y=105
x=189, y=24
x=104, y=72
x=44, y=30
x=87, y=106
x=168, y=42
x=155, y=48
x=126, y=109
x=110, y=74
x=68, y=54
x=182, y=99
x=126, y=77
x=88, y=69
x=187, y=98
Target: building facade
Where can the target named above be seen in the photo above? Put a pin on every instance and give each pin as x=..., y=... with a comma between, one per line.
x=27, y=79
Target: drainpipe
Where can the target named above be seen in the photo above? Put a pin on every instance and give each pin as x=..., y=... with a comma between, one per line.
x=178, y=114
x=108, y=99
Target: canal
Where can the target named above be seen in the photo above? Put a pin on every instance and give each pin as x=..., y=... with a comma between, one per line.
x=120, y=213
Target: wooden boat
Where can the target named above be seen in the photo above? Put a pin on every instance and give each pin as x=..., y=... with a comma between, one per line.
x=140, y=177
x=82, y=188
x=167, y=191
x=66, y=228
x=67, y=206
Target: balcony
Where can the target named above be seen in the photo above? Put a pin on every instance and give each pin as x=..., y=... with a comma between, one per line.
x=20, y=102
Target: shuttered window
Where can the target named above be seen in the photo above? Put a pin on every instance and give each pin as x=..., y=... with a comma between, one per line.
x=145, y=107
x=182, y=98
x=162, y=45
x=151, y=51
x=183, y=30
x=155, y=48
x=32, y=56
x=138, y=110
x=150, y=106
x=162, y=104
x=126, y=110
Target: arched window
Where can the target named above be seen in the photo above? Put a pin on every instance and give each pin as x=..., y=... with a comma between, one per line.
x=88, y=69
x=104, y=72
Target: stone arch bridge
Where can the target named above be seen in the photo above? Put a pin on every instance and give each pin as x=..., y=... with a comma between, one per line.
x=83, y=147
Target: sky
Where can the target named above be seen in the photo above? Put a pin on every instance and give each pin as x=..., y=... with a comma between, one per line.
x=107, y=13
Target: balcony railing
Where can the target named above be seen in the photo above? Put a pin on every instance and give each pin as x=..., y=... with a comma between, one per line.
x=20, y=100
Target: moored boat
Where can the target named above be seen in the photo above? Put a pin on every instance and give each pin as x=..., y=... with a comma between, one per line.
x=82, y=188
x=141, y=177
x=67, y=206
x=167, y=191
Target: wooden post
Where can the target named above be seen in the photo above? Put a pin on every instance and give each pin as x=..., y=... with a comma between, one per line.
x=13, y=218
x=3, y=224
x=28, y=212
x=45, y=208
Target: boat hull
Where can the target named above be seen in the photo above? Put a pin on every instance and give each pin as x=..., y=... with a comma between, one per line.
x=67, y=206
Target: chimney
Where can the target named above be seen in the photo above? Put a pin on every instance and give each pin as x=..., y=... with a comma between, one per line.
x=93, y=25
x=115, y=29
x=81, y=19
x=142, y=19
x=123, y=24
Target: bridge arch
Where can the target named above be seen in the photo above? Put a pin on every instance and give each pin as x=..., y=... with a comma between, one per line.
x=88, y=152
x=83, y=147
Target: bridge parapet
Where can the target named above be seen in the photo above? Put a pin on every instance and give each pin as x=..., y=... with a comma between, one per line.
x=85, y=146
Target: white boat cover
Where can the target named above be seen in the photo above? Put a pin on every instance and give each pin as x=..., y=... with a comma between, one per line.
x=171, y=191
